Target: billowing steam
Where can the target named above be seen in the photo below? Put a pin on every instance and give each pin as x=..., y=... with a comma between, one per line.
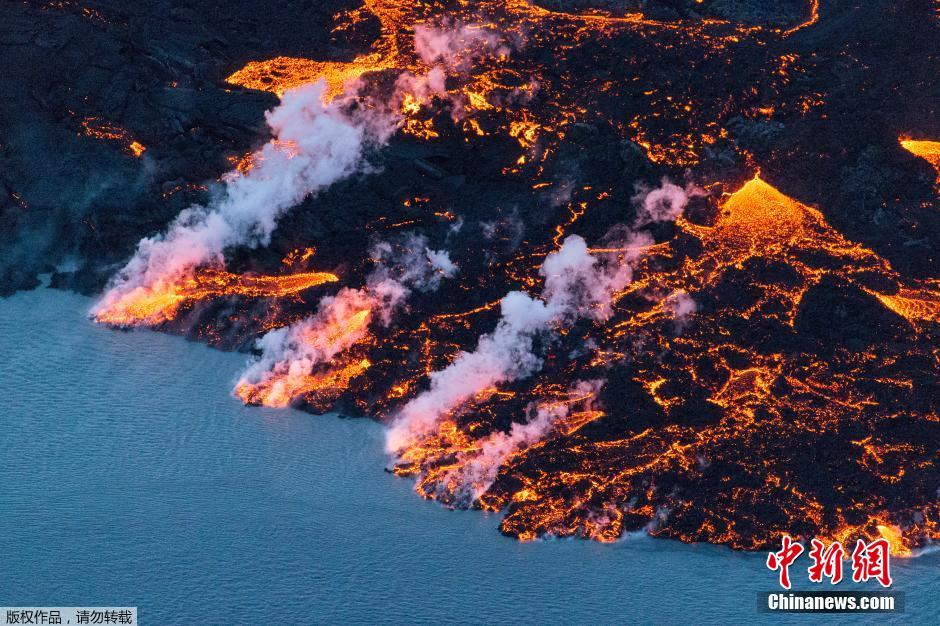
x=290, y=355
x=663, y=204
x=315, y=143
x=578, y=284
x=473, y=472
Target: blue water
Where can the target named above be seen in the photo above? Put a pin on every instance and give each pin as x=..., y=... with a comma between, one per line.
x=130, y=477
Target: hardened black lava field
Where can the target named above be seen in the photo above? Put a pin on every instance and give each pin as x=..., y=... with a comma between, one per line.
x=748, y=347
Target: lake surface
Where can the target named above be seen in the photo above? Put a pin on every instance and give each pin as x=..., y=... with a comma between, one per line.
x=129, y=476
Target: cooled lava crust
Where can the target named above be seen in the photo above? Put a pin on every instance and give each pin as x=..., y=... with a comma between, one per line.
x=800, y=396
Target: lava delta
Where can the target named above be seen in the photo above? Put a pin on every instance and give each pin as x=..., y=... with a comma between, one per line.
x=599, y=265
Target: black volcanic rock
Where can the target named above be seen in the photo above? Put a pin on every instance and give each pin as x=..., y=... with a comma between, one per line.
x=150, y=70
x=796, y=393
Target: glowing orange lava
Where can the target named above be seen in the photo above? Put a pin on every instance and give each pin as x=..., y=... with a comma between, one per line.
x=281, y=391
x=150, y=306
x=926, y=150
x=809, y=21
x=281, y=74
x=94, y=127
x=299, y=378
x=725, y=397
x=137, y=148
x=895, y=539
x=914, y=305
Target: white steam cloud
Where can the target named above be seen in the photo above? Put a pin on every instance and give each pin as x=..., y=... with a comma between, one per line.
x=314, y=144
x=289, y=355
x=475, y=471
x=664, y=203
x=578, y=284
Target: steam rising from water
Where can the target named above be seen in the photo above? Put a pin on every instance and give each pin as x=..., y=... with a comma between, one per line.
x=473, y=474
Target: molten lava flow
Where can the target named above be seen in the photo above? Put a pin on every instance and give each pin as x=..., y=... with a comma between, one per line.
x=757, y=216
x=895, y=540
x=304, y=356
x=280, y=74
x=98, y=129
x=714, y=394
x=281, y=391
x=809, y=21
x=247, y=162
x=160, y=303
x=456, y=468
x=914, y=305
x=316, y=358
x=761, y=373
x=926, y=150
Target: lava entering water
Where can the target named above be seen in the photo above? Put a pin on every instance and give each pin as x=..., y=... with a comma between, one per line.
x=740, y=369
x=159, y=303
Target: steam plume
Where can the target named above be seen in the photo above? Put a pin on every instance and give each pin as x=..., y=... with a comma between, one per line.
x=578, y=284
x=290, y=354
x=664, y=203
x=314, y=145
x=475, y=471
